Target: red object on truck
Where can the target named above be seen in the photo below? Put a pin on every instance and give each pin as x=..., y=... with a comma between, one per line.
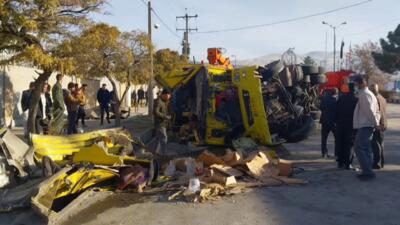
x=337, y=80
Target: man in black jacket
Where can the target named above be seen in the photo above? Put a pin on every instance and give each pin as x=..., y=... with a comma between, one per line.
x=104, y=98
x=328, y=110
x=344, y=128
x=25, y=103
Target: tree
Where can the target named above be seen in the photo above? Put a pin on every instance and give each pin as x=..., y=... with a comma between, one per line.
x=31, y=31
x=388, y=58
x=102, y=50
x=166, y=61
x=308, y=60
x=365, y=63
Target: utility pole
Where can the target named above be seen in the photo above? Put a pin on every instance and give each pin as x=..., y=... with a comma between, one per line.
x=334, y=41
x=187, y=30
x=150, y=97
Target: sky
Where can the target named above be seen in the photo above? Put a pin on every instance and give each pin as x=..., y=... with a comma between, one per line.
x=367, y=22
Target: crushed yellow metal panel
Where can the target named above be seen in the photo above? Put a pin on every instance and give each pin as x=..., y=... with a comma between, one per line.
x=61, y=148
x=98, y=156
x=68, y=181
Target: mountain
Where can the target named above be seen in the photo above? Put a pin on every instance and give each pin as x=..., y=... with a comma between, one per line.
x=318, y=56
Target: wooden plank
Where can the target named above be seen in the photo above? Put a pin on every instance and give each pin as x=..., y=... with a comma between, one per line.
x=227, y=170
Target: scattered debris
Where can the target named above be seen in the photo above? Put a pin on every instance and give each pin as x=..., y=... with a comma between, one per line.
x=209, y=158
x=105, y=160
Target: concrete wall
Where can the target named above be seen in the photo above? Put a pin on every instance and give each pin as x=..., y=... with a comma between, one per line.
x=17, y=78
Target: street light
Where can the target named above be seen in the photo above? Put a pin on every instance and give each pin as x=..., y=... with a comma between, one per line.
x=334, y=40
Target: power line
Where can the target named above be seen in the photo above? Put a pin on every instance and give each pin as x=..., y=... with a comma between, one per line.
x=165, y=24
x=370, y=29
x=161, y=20
x=286, y=20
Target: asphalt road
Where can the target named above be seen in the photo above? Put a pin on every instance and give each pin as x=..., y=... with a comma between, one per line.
x=332, y=197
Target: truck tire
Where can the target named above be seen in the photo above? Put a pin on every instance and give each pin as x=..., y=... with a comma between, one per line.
x=302, y=132
x=297, y=73
x=308, y=70
x=317, y=79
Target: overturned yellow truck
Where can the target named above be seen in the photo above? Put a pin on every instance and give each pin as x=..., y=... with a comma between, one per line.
x=271, y=104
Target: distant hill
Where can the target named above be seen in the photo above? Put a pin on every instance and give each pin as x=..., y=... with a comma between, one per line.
x=318, y=56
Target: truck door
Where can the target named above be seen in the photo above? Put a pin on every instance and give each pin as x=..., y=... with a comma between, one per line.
x=252, y=104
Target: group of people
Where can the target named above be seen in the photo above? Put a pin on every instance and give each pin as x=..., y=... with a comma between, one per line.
x=139, y=98
x=52, y=104
x=358, y=122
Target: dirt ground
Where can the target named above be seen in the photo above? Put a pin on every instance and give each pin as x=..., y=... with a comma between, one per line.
x=332, y=197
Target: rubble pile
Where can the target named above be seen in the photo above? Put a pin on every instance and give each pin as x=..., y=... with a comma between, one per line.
x=55, y=172
x=208, y=177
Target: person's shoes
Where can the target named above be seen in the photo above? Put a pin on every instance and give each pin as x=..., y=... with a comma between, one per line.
x=366, y=177
x=349, y=167
x=341, y=166
x=108, y=121
x=326, y=156
x=376, y=167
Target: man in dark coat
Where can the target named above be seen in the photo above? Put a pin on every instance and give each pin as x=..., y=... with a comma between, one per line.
x=25, y=103
x=104, y=98
x=344, y=128
x=377, y=138
x=327, y=120
x=140, y=96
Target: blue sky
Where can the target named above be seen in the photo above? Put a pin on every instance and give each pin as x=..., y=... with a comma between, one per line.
x=370, y=21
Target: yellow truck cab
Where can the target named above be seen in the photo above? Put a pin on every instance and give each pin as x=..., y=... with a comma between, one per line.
x=215, y=89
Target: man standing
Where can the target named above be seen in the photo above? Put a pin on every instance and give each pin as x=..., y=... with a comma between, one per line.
x=104, y=97
x=377, y=138
x=57, y=121
x=82, y=102
x=41, y=115
x=25, y=103
x=344, y=128
x=162, y=117
x=72, y=103
x=366, y=118
x=140, y=96
x=327, y=120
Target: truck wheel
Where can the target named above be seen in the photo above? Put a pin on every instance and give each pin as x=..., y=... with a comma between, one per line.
x=318, y=79
x=308, y=70
x=302, y=132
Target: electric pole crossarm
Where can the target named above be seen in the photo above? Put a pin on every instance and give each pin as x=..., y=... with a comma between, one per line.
x=186, y=31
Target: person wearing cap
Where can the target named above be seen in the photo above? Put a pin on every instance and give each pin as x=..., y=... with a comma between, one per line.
x=345, y=133
x=365, y=119
x=377, y=138
x=104, y=98
x=162, y=116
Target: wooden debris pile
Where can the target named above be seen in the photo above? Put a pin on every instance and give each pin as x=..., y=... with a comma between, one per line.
x=209, y=177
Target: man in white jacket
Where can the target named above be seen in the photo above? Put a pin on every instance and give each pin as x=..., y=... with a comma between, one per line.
x=365, y=120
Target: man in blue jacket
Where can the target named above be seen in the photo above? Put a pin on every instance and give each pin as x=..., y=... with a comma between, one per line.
x=104, y=98
x=327, y=120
